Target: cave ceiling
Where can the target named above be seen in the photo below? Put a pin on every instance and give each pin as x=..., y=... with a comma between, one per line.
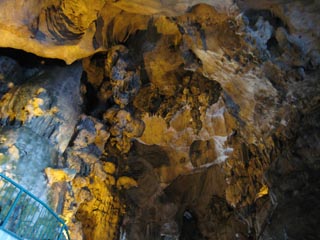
x=165, y=119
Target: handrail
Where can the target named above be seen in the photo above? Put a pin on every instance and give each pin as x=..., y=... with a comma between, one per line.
x=35, y=201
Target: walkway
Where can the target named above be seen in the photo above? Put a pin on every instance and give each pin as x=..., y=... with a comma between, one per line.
x=23, y=216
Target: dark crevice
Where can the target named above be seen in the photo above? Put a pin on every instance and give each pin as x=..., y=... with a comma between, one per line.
x=253, y=16
x=29, y=60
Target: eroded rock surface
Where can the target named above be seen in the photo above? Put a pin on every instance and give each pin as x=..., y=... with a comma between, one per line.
x=37, y=122
x=199, y=121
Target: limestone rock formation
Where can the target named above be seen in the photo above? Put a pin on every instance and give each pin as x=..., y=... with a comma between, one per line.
x=187, y=120
x=48, y=104
x=37, y=122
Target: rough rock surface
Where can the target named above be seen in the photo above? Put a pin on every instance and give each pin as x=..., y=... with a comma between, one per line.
x=37, y=121
x=198, y=120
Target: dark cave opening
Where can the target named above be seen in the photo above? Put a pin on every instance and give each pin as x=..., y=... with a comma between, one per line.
x=29, y=60
x=189, y=229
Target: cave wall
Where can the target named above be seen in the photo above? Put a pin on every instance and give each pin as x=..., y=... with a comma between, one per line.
x=177, y=119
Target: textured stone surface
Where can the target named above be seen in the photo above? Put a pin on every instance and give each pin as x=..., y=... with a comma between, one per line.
x=37, y=122
x=199, y=121
x=48, y=104
x=69, y=30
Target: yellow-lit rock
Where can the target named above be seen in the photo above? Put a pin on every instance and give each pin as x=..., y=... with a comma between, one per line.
x=125, y=182
x=198, y=118
x=59, y=175
x=264, y=190
x=100, y=215
x=109, y=167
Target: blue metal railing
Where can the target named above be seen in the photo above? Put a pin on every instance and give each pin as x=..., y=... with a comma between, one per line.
x=24, y=216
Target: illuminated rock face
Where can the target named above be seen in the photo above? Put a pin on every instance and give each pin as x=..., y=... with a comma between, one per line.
x=38, y=118
x=189, y=121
